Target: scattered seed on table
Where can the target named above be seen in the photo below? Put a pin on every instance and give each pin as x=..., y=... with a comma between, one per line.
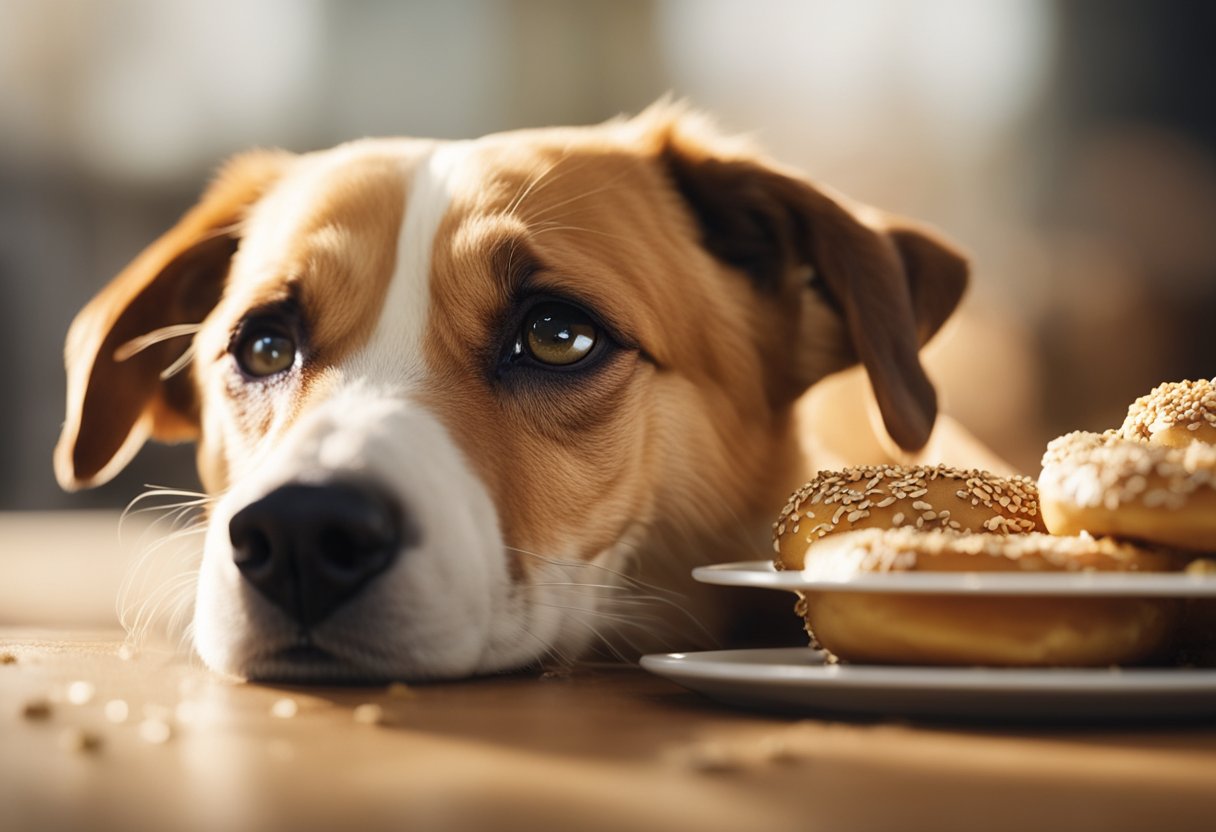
x=80, y=693
x=712, y=758
x=285, y=708
x=117, y=711
x=36, y=709
x=80, y=741
x=155, y=731
x=397, y=690
x=777, y=750
x=369, y=713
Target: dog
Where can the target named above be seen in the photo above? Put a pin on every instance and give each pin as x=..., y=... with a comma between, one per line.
x=464, y=406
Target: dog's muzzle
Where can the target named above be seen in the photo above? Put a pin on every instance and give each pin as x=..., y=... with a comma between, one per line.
x=311, y=548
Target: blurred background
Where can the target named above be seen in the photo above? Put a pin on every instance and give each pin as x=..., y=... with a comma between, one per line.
x=1070, y=147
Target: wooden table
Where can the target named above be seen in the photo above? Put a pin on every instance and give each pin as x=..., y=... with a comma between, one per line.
x=602, y=748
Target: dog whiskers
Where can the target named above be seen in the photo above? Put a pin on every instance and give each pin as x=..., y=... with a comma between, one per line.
x=180, y=364
x=137, y=345
x=159, y=588
x=626, y=604
x=609, y=587
x=193, y=499
x=166, y=601
x=547, y=227
x=534, y=184
x=583, y=564
x=550, y=654
x=597, y=635
x=549, y=210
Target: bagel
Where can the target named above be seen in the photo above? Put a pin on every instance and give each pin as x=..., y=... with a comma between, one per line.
x=999, y=631
x=1105, y=484
x=891, y=496
x=1174, y=414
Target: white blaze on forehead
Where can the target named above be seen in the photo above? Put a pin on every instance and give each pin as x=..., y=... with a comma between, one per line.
x=394, y=352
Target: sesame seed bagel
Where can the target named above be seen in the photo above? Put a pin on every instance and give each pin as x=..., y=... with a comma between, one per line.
x=1107, y=485
x=909, y=550
x=1174, y=414
x=999, y=631
x=891, y=496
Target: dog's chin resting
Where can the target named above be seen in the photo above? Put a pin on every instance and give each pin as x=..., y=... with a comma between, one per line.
x=440, y=611
x=462, y=407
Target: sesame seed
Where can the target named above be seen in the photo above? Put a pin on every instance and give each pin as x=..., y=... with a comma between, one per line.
x=852, y=494
x=80, y=741
x=36, y=710
x=369, y=713
x=80, y=693
x=155, y=731
x=1108, y=470
x=117, y=711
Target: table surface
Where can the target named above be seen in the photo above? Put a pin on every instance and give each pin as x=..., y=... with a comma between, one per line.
x=599, y=748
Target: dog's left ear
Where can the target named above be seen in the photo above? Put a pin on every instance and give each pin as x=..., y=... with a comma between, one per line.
x=117, y=395
x=859, y=285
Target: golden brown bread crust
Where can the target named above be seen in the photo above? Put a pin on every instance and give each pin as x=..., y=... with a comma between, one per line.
x=907, y=550
x=1105, y=484
x=1015, y=631
x=891, y=496
x=1173, y=414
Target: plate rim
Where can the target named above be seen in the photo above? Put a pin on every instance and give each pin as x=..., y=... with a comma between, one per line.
x=716, y=665
x=761, y=574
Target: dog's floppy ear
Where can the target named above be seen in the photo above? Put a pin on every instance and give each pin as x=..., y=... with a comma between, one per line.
x=888, y=284
x=116, y=396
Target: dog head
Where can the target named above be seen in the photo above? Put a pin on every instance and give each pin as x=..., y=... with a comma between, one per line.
x=444, y=393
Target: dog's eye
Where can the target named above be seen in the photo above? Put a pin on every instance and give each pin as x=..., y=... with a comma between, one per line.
x=263, y=351
x=557, y=334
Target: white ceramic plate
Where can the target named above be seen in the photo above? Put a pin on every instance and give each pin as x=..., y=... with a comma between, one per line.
x=796, y=679
x=760, y=573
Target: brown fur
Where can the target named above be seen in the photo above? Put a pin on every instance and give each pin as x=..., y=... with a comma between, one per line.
x=733, y=287
x=337, y=264
x=690, y=427
x=114, y=406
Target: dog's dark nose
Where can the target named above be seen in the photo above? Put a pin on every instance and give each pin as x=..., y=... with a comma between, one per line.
x=309, y=548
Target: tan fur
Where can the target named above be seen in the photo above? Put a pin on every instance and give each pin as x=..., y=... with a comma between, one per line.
x=337, y=265
x=733, y=287
x=113, y=406
x=690, y=429
x=596, y=222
